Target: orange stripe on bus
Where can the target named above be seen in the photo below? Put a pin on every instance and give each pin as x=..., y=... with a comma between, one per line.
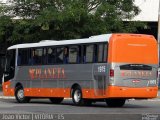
x=47, y=92
x=110, y=92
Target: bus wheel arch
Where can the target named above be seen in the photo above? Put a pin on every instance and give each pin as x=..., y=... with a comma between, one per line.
x=18, y=84
x=19, y=94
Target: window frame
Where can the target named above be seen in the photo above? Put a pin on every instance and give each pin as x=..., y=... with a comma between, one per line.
x=103, y=55
x=96, y=54
x=78, y=54
x=81, y=53
x=28, y=54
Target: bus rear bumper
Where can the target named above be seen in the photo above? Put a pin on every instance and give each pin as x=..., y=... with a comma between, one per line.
x=128, y=92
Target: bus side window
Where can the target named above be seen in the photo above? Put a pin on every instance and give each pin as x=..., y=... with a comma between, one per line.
x=65, y=55
x=105, y=52
x=22, y=57
x=95, y=59
x=10, y=65
x=30, y=58
x=74, y=54
x=44, y=56
x=38, y=55
x=84, y=54
x=51, y=52
x=59, y=55
x=89, y=53
x=102, y=52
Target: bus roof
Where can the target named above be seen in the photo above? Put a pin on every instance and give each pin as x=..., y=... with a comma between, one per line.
x=92, y=39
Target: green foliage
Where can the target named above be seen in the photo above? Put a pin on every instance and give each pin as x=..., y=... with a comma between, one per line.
x=65, y=19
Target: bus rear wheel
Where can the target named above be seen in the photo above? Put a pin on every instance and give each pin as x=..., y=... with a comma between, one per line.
x=115, y=102
x=56, y=100
x=19, y=95
x=78, y=99
x=77, y=96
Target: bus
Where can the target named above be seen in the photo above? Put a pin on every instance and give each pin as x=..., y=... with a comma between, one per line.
x=108, y=67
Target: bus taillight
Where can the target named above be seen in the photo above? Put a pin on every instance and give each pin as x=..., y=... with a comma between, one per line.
x=111, y=74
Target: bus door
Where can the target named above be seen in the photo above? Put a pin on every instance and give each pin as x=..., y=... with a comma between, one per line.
x=100, y=73
x=10, y=65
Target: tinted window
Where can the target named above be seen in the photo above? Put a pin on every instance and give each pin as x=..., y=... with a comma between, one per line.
x=74, y=54
x=51, y=55
x=59, y=55
x=102, y=52
x=10, y=60
x=38, y=56
x=135, y=67
x=65, y=57
x=10, y=65
x=105, y=52
x=23, y=57
x=2, y=62
x=89, y=53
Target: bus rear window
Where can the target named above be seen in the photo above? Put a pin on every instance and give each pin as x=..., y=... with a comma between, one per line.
x=135, y=67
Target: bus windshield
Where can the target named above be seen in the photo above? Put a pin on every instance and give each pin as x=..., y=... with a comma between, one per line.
x=10, y=65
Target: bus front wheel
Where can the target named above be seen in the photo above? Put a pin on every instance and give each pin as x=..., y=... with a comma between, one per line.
x=19, y=95
x=115, y=102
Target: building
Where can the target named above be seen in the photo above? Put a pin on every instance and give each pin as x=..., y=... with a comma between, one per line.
x=149, y=14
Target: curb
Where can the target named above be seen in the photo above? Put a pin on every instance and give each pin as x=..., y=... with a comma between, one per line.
x=6, y=97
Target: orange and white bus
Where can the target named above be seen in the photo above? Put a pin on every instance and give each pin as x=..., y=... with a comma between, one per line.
x=108, y=67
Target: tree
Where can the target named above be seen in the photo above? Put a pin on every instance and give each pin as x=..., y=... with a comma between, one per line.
x=68, y=19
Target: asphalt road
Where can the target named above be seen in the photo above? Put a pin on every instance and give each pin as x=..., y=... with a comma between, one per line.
x=133, y=110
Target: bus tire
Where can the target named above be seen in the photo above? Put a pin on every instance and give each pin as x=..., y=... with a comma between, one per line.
x=19, y=95
x=56, y=100
x=115, y=102
x=77, y=96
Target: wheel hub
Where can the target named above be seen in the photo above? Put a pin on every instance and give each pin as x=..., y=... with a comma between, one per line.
x=20, y=94
x=77, y=96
